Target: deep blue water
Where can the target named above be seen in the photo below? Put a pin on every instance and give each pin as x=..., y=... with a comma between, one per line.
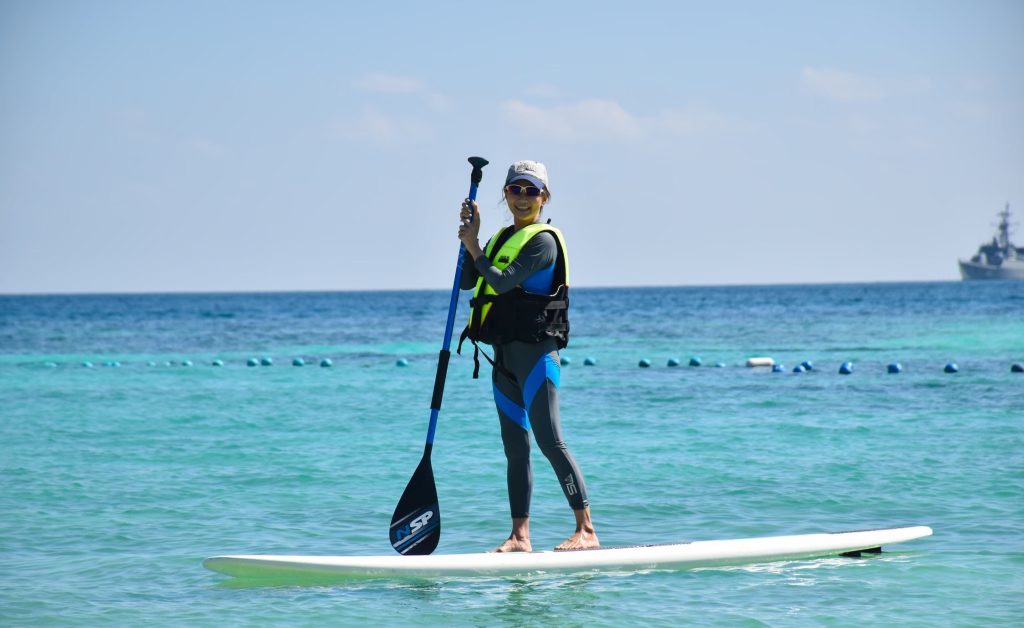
x=116, y=481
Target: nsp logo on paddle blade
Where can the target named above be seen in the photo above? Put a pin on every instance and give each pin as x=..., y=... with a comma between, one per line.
x=408, y=532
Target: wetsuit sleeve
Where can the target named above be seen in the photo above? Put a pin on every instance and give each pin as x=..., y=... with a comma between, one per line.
x=538, y=253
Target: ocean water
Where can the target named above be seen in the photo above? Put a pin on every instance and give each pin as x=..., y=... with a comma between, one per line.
x=116, y=481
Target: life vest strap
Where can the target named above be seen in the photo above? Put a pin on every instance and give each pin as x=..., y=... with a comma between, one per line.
x=482, y=299
x=477, y=351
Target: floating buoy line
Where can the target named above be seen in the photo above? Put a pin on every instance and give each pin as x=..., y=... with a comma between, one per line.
x=695, y=362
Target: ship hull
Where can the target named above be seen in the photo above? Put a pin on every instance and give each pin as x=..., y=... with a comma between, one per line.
x=1008, y=270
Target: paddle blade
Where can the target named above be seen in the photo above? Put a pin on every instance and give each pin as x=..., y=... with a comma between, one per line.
x=416, y=524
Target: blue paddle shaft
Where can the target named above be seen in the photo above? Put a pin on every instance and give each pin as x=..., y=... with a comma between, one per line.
x=445, y=353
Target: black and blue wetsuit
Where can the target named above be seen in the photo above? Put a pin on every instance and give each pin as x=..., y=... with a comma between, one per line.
x=526, y=379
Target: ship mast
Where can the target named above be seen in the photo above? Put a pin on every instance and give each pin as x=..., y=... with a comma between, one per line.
x=1004, y=228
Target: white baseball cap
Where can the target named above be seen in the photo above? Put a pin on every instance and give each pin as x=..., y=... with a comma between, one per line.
x=532, y=171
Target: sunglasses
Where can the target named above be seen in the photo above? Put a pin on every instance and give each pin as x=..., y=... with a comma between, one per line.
x=518, y=190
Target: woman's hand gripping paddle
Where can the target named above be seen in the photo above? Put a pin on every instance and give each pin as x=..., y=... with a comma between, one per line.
x=416, y=524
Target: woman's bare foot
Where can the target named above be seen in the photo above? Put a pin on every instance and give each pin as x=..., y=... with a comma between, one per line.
x=519, y=540
x=580, y=540
x=512, y=544
x=584, y=537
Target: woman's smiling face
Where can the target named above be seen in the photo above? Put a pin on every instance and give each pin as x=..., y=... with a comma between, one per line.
x=525, y=209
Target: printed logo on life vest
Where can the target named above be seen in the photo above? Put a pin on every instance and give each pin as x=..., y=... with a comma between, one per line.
x=570, y=485
x=414, y=526
x=503, y=259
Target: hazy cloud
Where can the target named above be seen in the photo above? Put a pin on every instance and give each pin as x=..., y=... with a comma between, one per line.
x=585, y=120
x=378, y=127
x=693, y=120
x=438, y=101
x=371, y=125
x=971, y=111
x=841, y=86
x=206, y=147
x=137, y=124
x=976, y=84
x=862, y=124
x=388, y=84
x=380, y=83
x=919, y=84
x=544, y=90
x=605, y=120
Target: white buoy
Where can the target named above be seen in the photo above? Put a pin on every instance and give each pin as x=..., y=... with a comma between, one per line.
x=760, y=361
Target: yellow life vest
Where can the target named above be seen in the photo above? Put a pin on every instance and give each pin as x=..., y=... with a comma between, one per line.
x=517, y=314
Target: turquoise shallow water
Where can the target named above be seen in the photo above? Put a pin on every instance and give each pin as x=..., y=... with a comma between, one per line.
x=115, y=482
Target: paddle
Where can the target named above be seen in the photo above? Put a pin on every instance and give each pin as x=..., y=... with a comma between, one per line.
x=416, y=524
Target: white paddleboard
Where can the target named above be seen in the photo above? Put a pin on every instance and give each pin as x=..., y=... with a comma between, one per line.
x=671, y=556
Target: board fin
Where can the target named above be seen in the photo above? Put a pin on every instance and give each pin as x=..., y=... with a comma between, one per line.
x=857, y=553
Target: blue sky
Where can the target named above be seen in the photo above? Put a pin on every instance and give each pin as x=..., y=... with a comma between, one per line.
x=208, y=146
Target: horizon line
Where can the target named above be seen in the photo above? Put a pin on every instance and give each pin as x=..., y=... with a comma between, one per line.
x=397, y=290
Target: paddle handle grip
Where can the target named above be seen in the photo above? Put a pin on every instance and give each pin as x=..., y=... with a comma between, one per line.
x=442, y=372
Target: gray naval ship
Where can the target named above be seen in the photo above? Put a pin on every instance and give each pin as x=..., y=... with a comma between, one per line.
x=998, y=259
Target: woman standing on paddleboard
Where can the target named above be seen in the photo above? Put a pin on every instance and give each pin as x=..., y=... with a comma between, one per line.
x=520, y=307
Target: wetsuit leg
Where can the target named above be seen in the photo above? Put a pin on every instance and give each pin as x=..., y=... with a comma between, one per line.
x=537, y=372
x=515, y=436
